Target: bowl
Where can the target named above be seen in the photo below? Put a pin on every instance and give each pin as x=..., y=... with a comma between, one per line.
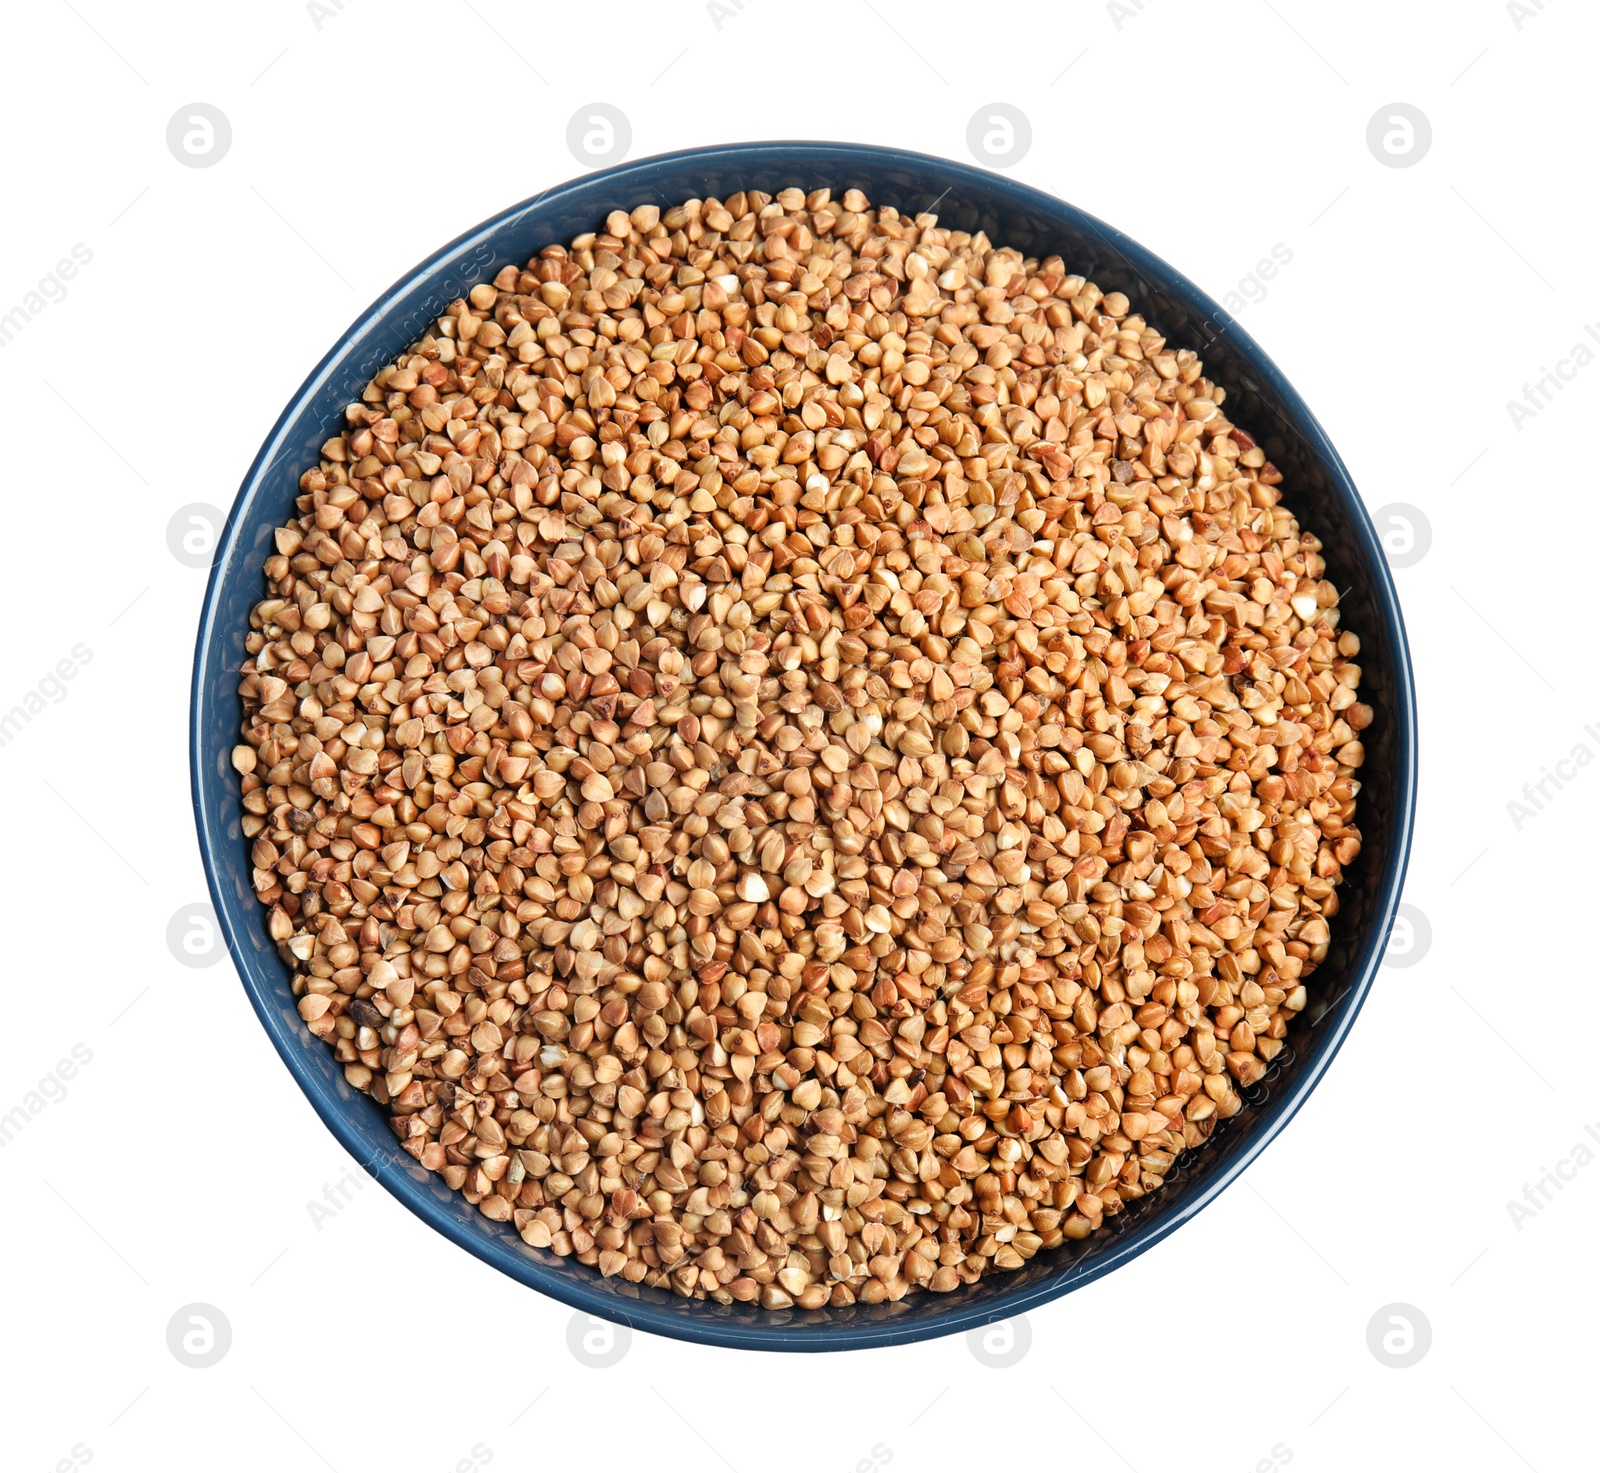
x=1319, y=490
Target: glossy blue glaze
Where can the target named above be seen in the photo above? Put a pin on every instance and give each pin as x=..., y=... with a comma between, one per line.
x=1318, y=488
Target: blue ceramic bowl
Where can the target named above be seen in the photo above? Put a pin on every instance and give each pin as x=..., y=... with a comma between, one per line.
x=1318, y=488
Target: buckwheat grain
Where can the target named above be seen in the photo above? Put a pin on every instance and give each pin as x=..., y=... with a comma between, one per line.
x=797, y=753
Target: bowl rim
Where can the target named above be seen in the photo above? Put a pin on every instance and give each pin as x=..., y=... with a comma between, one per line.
x=641, y=1314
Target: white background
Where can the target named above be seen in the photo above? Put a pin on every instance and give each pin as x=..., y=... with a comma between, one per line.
x=180, y=1163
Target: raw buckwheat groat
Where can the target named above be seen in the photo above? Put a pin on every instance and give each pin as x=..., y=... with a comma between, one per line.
x=796, y=752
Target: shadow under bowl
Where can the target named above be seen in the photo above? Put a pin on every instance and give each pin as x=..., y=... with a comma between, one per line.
x=1317, y=488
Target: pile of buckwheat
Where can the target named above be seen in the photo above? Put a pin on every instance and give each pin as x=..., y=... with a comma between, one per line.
x=796, y=752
